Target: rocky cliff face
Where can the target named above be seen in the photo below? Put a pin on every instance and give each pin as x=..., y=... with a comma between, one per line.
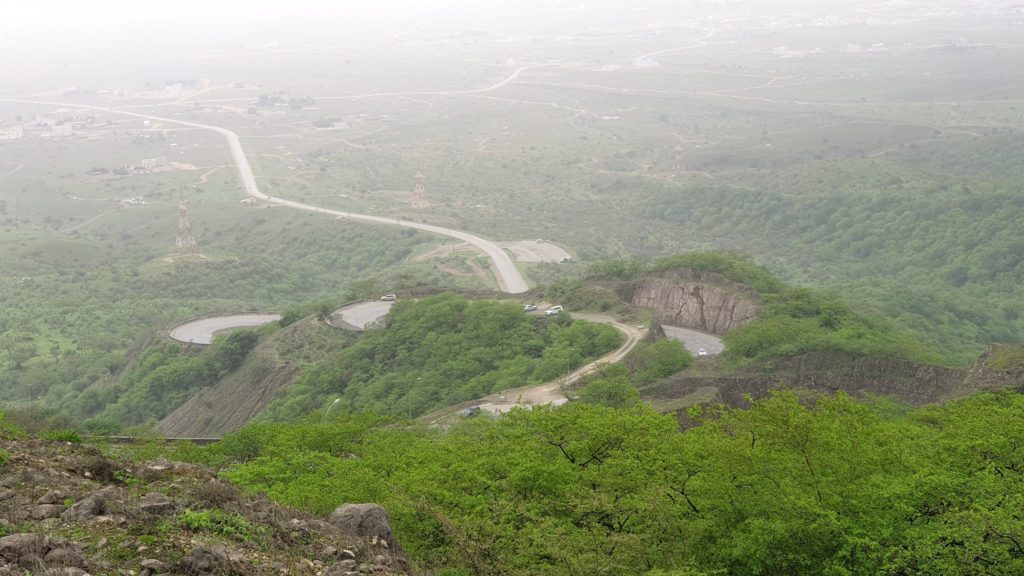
x=1000, y=366
x=907, y=381
x=692, y=304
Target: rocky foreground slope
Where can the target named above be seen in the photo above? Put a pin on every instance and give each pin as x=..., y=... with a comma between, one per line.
x=69, y=509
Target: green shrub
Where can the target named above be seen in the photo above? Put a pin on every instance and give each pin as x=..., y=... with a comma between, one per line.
x=4, y=455
x=219, y=522
x=652, y=361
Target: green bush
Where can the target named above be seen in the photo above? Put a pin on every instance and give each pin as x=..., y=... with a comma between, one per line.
x=652, y=361
x=4, y=455
x=220, y=523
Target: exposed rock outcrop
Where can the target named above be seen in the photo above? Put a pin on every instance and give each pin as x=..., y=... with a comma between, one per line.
x=695, y=305
x=1000, y=366
x=910, y=382
x=364, y=521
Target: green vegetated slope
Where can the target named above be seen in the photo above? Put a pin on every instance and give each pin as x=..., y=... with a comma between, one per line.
x=73, y=307
x=941, y=257
x=614, y=386
x=432, y=353
x=443, y=350
x=790, y=320
x=837, y=487
x=165, y=377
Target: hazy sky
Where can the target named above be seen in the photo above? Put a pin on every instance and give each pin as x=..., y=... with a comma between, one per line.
x=63, y=42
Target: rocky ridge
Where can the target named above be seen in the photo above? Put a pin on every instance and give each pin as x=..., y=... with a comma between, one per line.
x=73, y=510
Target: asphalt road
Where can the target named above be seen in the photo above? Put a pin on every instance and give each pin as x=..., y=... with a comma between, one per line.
x=508, y=276
x=360, y=314
x=694, y=340
x=203, y=331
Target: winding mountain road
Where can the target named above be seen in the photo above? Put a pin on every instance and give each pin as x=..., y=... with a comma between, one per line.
x=509, y=278
x=552, y=392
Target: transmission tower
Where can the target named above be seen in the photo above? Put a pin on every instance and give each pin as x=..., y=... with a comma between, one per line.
x=680, y=165
x=420, y=188
x=419, y=191
x=185, y=241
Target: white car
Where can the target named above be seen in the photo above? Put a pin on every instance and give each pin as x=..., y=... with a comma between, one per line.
x=530, y=307
x=389, y=298
x=553, y=311
x=701, y=353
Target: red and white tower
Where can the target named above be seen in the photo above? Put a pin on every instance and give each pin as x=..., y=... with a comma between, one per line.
x=419, y=192
x=680, y=166
x=185, y=241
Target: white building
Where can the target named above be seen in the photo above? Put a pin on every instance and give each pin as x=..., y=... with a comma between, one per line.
x=12, y=134
x=63, y=130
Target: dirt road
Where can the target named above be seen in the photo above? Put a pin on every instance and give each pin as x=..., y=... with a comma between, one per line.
x=551, y=392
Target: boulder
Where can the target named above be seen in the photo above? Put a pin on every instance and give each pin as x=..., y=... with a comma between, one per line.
x=64, y=556
x=92, y=505
x=217, y=559
x=43, y=511
x=18, y=546
x=364, y=521
x=341, y=568
x=52, y=497
x=155, y=503
x=153, y=564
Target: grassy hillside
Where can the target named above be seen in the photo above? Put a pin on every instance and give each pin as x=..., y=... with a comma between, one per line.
x=838, y=487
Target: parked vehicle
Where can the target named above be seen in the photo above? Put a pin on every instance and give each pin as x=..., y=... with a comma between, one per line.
x=530, y=307
x=702, y=353
x=554, y=310
x=389, y=297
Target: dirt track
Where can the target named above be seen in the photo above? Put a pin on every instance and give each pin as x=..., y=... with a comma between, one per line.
x=550, y=392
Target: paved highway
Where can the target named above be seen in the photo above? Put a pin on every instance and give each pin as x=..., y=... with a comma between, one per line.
x=694, y=340
x=202, y=331
x=509, y=278
x=359, y=315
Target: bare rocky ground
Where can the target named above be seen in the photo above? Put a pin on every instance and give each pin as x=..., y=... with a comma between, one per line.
x=67, y=509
